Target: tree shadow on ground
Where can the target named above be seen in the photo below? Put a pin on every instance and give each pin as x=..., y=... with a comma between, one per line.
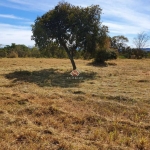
x=50, y=77
x=104, y=64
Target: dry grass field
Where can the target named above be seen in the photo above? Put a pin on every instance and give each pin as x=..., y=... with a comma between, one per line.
x=43, y=108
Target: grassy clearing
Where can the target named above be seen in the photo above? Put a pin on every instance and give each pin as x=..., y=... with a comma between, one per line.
x=42, y=108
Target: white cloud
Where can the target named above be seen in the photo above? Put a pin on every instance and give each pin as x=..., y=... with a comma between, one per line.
x=15, y=34
x=11, y=17
x=121, y=28
x=32, y=5
x=28, y=23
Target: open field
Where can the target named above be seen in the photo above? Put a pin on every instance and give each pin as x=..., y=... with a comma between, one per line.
x=41, y=108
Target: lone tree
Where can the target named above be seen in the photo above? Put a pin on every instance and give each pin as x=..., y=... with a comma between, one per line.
x=141, y=40
x=72, y=27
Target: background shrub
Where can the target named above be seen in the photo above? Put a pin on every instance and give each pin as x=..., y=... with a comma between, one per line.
x=104, y=55
x=13, y=54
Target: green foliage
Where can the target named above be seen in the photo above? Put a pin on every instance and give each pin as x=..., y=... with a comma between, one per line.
x=3, y=53
x=71, y=27
x=138, y=53
x=34, y=52
x=86, y=55
x=148, y=54
x=53, y=50
x=133, y=53
x=14, y=51
x=119, y=42
x=121, y=57
x=103, y=55
x=60, y=53
x=13, y=54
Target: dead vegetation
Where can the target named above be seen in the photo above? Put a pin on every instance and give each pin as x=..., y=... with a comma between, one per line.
x=42, y=108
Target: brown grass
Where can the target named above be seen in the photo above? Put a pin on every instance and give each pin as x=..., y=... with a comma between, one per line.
x=41, y=108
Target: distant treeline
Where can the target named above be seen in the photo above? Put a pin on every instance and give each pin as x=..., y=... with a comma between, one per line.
x=55, y=51
x=133, y=53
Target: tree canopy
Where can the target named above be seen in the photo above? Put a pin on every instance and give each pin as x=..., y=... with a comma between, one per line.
x=141, y=40
x=72, y=27
x=119, y=42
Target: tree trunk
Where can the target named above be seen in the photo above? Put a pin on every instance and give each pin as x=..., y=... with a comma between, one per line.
x=73, y=64
x=70, y=56
x=71, y=59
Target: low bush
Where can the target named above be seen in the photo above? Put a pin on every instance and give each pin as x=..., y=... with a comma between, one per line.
x=13, y=54
x=104, y=55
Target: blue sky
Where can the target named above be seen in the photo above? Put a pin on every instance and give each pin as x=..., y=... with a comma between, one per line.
x=123, y=17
